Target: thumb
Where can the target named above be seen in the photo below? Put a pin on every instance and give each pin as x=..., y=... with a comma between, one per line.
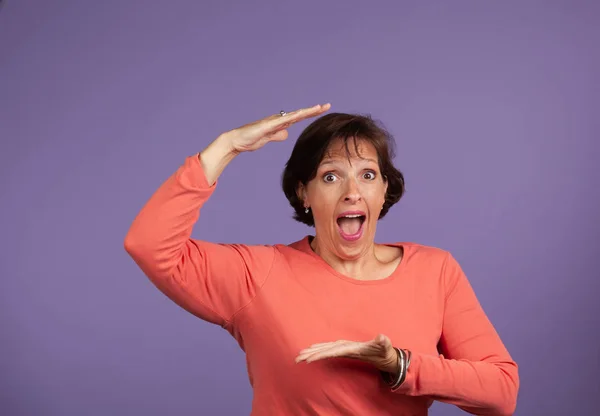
x=279, y=136
x=383, y=340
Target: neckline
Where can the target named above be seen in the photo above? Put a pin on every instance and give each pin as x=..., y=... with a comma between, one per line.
x=305, y=247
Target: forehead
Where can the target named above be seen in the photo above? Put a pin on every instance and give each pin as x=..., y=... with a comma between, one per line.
x=349, y=149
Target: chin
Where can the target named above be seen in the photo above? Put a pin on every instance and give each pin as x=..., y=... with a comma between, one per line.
x=354, y=247
x=348, y=255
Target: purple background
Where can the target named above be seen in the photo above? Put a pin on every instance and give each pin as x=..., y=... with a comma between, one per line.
x=496, y=113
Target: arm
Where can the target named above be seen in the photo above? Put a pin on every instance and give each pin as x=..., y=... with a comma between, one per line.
x=474, y=371
x=211, y=281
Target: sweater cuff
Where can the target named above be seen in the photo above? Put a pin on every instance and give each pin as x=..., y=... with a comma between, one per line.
x=410, y=382
x=192, y=176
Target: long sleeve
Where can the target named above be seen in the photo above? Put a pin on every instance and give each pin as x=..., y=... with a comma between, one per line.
x=211, y=281
x=474, y=370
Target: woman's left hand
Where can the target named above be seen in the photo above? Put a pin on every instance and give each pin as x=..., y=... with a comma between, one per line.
x=378, y=352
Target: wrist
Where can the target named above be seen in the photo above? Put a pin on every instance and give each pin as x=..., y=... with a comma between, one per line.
x=221, y=149
x=216, y=156
x=395, y=378
x=392, y=366
x=225, y=145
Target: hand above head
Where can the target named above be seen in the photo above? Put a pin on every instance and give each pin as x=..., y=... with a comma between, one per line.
x=379, y=352
x=255, y=135
x=250, y=137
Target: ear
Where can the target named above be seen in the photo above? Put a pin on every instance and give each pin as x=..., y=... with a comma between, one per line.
x=301, y=192
x=385, y=188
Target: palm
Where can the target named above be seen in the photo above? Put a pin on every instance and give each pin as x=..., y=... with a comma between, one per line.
x=378, y=352
x=255, y=135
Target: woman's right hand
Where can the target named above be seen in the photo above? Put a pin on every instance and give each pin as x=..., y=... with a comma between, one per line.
x=255, y=135
x=251, y=137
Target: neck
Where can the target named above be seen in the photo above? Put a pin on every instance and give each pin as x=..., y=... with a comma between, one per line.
x=358, y=267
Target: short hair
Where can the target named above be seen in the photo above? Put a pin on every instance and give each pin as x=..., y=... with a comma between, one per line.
x=312, y=144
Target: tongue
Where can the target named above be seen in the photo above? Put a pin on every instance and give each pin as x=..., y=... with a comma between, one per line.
x=349, y=226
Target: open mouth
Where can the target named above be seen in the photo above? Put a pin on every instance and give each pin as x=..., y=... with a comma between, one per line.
x=350, y=224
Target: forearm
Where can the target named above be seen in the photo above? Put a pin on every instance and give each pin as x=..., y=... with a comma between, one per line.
x=212, y=281
x=163, y=227
x=165, y=223
x=474, y=370
x=478, y=387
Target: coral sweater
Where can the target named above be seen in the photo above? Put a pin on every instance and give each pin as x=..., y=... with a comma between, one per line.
x=276, y=300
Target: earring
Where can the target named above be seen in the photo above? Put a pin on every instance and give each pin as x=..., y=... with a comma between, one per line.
x=306, y=210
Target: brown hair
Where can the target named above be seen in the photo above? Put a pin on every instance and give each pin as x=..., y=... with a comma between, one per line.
x=314, y=141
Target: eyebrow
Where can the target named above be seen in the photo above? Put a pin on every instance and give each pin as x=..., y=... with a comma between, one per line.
x=334, y=161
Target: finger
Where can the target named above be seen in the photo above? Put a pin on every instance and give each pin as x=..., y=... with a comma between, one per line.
x=324, y=345
x=302, y=355
x=295, y=116
x=351, y=349
x=308, y=111
x=308, y=351
x=308, y=356
x=339, y=341
x=346, y=351
x=291, y=115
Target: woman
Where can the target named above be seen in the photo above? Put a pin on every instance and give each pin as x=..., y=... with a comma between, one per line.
x=335, y=323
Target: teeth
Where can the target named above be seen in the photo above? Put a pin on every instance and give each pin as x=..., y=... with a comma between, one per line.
x=352, y=216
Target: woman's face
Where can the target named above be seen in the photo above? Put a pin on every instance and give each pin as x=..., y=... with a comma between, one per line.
x=346, y=198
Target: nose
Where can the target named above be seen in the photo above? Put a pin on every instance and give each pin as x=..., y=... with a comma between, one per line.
x=352, y=192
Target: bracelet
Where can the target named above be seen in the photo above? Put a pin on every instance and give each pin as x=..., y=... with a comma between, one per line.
x=403, y=364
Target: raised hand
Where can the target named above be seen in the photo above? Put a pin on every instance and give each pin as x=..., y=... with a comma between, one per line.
x=379, y=352
x=255, y=135
x=250, y=137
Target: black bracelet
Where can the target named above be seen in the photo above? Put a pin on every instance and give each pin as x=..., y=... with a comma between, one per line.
x=403, y=364
x=402, y=369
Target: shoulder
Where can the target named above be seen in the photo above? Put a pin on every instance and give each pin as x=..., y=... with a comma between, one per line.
x=298, y=248
x=429, y=259
x=436, y=260
x=421, y=253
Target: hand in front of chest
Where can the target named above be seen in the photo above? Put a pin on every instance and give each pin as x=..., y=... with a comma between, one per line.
x=378, y=352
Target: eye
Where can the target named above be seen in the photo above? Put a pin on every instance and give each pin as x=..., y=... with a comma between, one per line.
x=329, y=177
x=370, y=175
